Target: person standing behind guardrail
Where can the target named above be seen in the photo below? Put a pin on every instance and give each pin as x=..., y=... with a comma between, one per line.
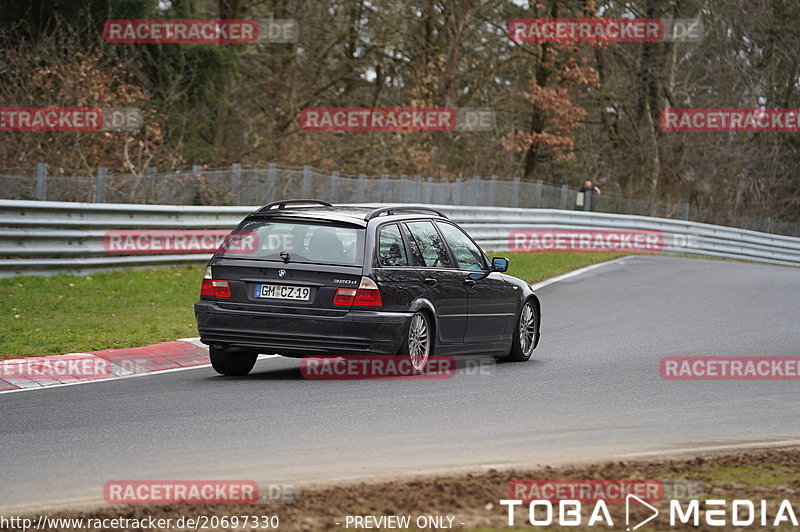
x=585, y=200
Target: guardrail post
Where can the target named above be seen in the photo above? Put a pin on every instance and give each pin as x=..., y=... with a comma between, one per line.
x=515, y=193
x=441, y=190
x=457, y=189
x=417, y=187
x=149, y=183
x=197, y=172
x=684, y=211
x=334, y=186
x=429, y=185
x=537, y=194
x=41, y=181
x=361, y=188
x=272, y=178
x=236, y=183
x=767, y=228
x=493, y=190
x=384, y=187
x=306, y=181
x=404, y=186
x=564, y=191
x=473, y=193
x=100, y=189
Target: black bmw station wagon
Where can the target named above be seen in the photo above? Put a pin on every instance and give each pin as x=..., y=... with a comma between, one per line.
x=350, y=280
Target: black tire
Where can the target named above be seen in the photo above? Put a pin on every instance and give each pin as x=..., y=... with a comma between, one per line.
x=524, y=339
x=418, y=326
x=232, y=363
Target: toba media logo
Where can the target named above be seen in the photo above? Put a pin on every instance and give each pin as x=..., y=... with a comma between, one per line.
x=711, y=512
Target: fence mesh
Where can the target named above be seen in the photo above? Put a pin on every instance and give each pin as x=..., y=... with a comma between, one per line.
x=251, y=185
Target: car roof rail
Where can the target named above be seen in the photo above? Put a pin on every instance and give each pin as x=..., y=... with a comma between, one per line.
x=282, y=204
x=409, y=208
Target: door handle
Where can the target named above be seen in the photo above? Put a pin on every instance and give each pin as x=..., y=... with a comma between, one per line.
x=469, y=282
x=430, y=281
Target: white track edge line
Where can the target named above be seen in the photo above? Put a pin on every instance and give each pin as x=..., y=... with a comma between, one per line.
x=96, y=381
x=575, y=273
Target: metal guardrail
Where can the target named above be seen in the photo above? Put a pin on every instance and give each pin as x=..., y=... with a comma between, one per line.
x=240, y=184
x=38, y=238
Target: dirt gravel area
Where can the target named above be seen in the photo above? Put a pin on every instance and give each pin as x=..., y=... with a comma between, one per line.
x=473, y=500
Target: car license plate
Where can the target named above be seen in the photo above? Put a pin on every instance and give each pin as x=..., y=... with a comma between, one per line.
x=282, y=291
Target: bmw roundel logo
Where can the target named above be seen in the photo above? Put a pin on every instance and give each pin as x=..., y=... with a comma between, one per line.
x=281, y=273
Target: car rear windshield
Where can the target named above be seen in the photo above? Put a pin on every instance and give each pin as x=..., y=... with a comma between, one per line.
x=315, y=243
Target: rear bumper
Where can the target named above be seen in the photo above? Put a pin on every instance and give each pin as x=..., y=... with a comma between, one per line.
x=358, y=332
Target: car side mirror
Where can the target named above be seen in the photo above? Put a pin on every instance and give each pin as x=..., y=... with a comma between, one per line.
x=499, y=264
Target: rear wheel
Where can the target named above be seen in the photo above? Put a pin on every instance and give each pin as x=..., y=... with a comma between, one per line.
x=232, y=363
x=417, y=344
x=524, y=334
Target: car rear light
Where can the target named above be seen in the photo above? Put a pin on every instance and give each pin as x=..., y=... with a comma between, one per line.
x=366, y=295
x=344, y=296
x=213, y=287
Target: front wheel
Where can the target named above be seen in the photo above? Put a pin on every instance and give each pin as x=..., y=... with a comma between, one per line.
x=417, y=344
x=231, y=363
x=525, y=334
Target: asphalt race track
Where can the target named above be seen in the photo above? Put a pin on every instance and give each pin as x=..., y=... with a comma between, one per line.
x=592, y=391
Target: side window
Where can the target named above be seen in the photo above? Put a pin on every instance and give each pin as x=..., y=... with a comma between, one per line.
x=391, y=251
x=414, y=253
x=467, y=254
x=431, y=247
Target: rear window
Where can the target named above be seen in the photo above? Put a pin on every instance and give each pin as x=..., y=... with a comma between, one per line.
x=304, y=242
